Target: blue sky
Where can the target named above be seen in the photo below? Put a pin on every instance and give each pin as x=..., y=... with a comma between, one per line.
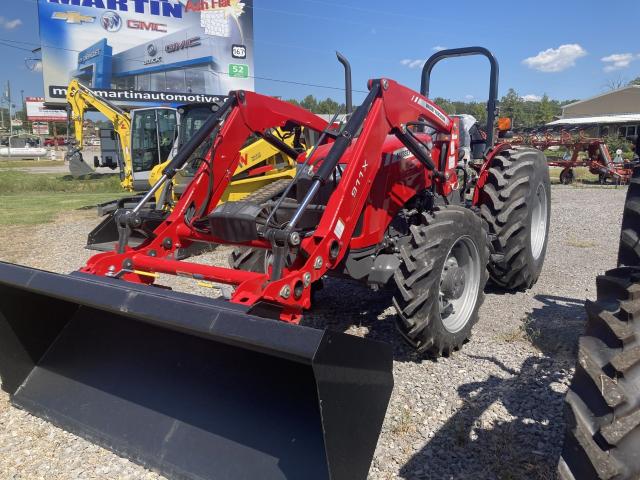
x=567, y=49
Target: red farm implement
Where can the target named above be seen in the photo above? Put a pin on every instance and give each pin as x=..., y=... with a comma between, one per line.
x=581, y=151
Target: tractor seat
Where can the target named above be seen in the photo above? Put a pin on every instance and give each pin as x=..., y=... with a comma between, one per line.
x=472, y=140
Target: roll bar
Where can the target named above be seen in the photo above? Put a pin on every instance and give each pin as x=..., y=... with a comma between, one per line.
x=492, y=103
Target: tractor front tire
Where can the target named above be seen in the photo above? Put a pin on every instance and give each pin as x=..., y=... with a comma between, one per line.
x=629, y=251
x=602, y=439
x=248, y=259
x=515, y=202
x=441, y=280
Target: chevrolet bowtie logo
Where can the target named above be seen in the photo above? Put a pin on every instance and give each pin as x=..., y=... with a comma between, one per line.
x=73, y=17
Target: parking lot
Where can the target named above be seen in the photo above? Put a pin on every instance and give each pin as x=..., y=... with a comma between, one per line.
x=492, y=410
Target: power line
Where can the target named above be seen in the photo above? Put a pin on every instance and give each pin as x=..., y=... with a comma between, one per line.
x=16, y=47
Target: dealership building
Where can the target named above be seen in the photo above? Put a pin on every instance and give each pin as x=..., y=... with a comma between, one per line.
x=184, y=61
x=612, y=113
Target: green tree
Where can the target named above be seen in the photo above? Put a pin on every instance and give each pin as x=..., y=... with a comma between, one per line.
x=326, y=106
x=309, y=103
x=511, y=105
x=447, y=105
x=329, y=106
x=545, y=111
x=524, y=114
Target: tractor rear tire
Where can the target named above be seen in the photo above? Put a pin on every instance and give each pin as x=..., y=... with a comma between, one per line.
x=516, y=204
x=602, y=440
x=432, y=316
x=629, y=251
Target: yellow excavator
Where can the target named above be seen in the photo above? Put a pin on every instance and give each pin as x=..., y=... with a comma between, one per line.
x=148, y=137
x=80, y=99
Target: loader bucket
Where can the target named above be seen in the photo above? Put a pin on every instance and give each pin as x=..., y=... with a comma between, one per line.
x=77, y=166
x=191, y=387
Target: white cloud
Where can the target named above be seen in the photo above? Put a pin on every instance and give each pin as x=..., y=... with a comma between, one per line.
x=10, y=24
x=412, y=63
x=437, y=48
x=617, y=61
x=556, y=59
x=469, y=97
x=531, y=97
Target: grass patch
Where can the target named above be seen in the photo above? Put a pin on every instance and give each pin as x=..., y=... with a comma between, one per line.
x=37, y=208
x=525, y=332
x=581, y=175
x=30, y=163
x=14, y=182
x=580, y=243
x=404, y=424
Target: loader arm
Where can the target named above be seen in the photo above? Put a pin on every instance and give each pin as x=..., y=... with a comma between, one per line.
x=81, y=98
x=389, y=109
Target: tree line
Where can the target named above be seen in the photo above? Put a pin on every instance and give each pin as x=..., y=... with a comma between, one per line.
x=524, y=113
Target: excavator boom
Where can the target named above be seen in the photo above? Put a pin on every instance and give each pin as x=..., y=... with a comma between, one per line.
x=80, y=99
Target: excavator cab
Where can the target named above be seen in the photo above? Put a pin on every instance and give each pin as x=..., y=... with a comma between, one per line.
x=153, y=133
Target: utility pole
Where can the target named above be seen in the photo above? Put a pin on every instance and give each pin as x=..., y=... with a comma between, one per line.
x=9, y=99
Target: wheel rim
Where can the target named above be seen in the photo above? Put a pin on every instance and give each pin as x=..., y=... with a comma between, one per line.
x=457, y=304
x=539, y=222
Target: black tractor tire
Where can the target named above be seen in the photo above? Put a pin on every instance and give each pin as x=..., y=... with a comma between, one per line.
x=602, y=439
x=566, y=176
x=602, y=178
x=629, y=251
x=248, y=259
x=517, y=190
x=419, y=279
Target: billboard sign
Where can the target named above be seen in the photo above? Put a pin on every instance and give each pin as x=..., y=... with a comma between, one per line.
x=40, y=128
x=36, y=111
x=147, y=52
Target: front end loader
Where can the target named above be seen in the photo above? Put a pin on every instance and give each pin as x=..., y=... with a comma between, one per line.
x=238, y=388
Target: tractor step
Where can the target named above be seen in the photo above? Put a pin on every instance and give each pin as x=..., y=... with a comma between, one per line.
x=189, y=386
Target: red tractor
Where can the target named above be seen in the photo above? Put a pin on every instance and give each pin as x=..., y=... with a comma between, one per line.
x=383, y=200
x=390, y=199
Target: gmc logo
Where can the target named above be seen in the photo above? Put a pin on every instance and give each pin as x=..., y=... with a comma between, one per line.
x=184, y=44
x=148, y=26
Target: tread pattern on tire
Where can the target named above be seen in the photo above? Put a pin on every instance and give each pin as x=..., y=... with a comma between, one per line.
x=422, y=258
x=503, y=207
x=603, y=403
x=629, y=251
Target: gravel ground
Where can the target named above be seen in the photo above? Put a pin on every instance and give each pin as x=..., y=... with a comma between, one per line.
x=491, y=411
